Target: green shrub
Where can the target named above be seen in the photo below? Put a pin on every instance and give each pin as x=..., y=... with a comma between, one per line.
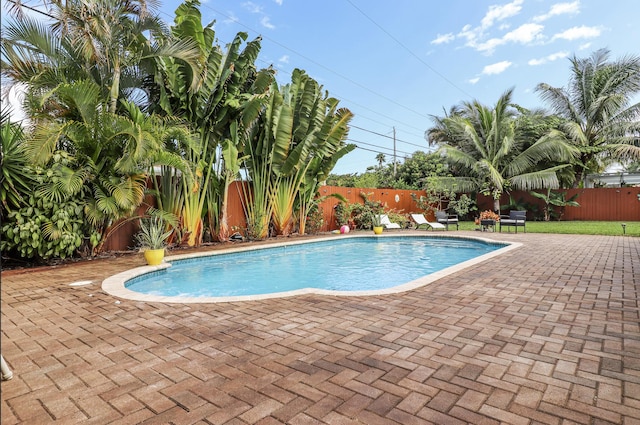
x=44, y=229
x=314, y=220
x=51, y=221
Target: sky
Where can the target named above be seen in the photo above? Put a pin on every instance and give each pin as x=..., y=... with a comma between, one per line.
x=397, y=64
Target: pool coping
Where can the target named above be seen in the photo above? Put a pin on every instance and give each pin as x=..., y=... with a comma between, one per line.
x=115, y=285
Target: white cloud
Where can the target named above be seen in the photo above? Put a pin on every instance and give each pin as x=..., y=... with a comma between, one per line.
x=252, y=7
x=576, y=33
x=278, y=2
x=470, y=34
x=549, y=58
x=284, y=59
x=499, y=13
x=473, y=80
x=490, y=45
x=266, y=22
x=584, y=46
x=559, y=9
x=496, y=68
x=443, y=38
x=525, y=34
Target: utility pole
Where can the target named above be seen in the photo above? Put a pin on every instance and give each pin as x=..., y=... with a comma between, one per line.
x=394, y=152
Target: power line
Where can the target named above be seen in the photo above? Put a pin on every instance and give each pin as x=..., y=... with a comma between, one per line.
x=233, y=19
x=344, y=99
x=377, y=146
x=385, y=136
x=409, y=50
x=355, y=126
x=370, y=150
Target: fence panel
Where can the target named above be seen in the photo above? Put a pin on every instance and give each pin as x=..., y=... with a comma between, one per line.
x=606, y=203
x=596, y=204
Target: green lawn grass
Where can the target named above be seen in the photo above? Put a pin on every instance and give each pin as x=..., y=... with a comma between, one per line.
x=611, y=228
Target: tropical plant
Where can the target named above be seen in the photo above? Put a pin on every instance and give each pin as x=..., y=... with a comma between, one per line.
x=375, y=219
x=632, y=167
x=330, y=139
x=516, y=205
x=84, y=77
x=342, y=212
x=230, y=86
x=309, y=139
x=114, y=43
x=363, y=214
x=600, y=119
x=113, y=153
x=555, y=199
x=153, y=233
x=314, y=220
x=51, y=223
x=439, y=196
x=488, y=152
x=300, y=137
x=15, y=179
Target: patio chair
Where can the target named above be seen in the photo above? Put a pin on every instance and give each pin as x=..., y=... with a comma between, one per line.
x=443, y=218
x=515, y=219
x=384, y=220
x=422, y=221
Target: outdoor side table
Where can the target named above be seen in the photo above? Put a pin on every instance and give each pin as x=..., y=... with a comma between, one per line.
x=488, y=225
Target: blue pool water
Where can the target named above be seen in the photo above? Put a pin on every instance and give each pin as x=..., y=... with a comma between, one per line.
x=354, y=264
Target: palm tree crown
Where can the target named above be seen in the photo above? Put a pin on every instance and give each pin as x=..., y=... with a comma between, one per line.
x=600, y=119
x=490, y=150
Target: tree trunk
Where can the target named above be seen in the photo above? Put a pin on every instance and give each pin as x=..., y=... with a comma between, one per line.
x=223, y=232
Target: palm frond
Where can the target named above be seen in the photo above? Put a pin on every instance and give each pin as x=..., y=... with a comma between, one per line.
x=538, y=179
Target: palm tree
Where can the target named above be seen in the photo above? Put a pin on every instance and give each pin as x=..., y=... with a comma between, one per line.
x=488, y=151
x=114, y=151
x=600, y=119
x=104, y=41
x=381, y=159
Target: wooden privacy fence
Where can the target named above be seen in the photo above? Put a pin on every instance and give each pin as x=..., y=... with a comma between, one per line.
x=597, y=204
x=604, y=204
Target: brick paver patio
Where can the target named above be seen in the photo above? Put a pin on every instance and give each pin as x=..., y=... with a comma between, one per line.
x=546, y=334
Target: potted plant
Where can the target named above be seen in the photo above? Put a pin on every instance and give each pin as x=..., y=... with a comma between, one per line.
x=376, y=224
x=152, y=239
x=488, y=220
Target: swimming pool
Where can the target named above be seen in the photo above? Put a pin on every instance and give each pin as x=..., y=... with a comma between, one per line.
x=343, y=265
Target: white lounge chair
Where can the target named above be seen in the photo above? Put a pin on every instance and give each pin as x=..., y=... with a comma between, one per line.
x=421, y=220
x=384, y=220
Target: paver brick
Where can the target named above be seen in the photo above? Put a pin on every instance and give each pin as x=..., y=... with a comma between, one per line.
x=545, y=334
